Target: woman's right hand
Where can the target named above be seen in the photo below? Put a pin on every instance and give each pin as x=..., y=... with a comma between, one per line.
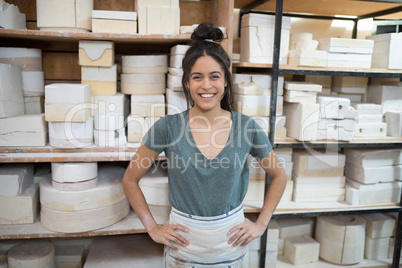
x=167, y=233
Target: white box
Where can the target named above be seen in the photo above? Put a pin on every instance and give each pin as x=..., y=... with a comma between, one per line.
x=300, y=96
x=346, y=45
x=394, y=124
x=328, y=164
x=143, y=84
x=373, y=157
x=11, y=91
x=371, y=130
x=302, y=120
x=315, y=58
x=369, y=175
x=254, y=105
x=367, y=194
x=145, y=64
x=302, y=86
x=386, y=53
x=333, y=108
x=380, y=93
x=367, y=108
x=301, y=250
x=379, y=225
x=106, y=21
x=163, y=20
x=71, y=134
x=175, y=101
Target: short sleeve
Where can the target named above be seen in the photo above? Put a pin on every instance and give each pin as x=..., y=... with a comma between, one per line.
x=156, y=137
x=261, y=147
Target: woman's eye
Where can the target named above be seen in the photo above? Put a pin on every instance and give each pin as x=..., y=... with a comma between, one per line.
x=196, y=77
x=215, y=77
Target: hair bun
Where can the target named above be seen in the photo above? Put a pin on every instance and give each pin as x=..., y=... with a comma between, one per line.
x=207, y=31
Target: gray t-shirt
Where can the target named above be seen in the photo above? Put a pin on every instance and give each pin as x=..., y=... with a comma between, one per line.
x=201, y=186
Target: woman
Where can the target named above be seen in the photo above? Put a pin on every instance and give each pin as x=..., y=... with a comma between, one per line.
x=207, y=149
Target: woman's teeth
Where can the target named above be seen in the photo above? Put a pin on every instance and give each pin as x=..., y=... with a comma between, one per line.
x=207, y=95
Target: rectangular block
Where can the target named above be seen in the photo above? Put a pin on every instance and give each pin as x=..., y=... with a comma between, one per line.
x=11, y=91
x=314, y=58
x=20, y=209
x=254, y=105
x=145, y=64
x=78, y=134
x=15, y=178
x=148, y=105
x=96, y=53
x=300, y=96
x=11, y=18
x=266, y=20
x=379, y=225
x=371, y=130
x=394, y=124
x=347, y=63
x=103, y=80
x=157, y=3
x=34, y=105
x=302, y=86
x=386, y=53
x=33, y=83
x=367, y=108
x=114, y=26
x=28, y=59
x=179, y=49
x=176, y=60
x=67, y=102
x=333, y=108
x=319, y=182
x=346, y=45
x=163, y=20
x=334, y=133
x=174, y=83
x=294, y=227
x=367, y=194
x=143, y=84
x=370, y=118
x=376, y=249
x=346, y=124
x=301, y=120
x=176, y=101
x=111, y=104
x=137, y=127
x=369, y=175
x=301, y=250
x=373, y=157
x=254, y=84
x=321, y=165
x=320, y=195
x=110, y=138
x=380, y=93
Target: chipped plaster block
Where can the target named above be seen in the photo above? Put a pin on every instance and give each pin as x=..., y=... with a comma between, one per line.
x=96, y=53
x=373, y=157
x=137, y=250
x=67, y=102
x=323, y=164
x=34, y=105
x=20, y=209
x=346, y=45
x=109, y=122
x=379, y=225
x=174, y=83
x=108, y=191
x=163, y=20
x=143, y=84
x=15, y=179
x=103, y=80
x=29, y=59
x=387, y=192
x=137, y=127
x=23, y=123
x=394, y=124
x=377, y=248
x=368, y=175
x=254, y=105
x=71, y=134
x=10, y=17
x=341, y=238
x=83, y=221
x=110, y=138
x=371, y=130
x=148, y=105
x=300, y=96
x=66, y=16
x=386, y=53
x=257, y=44
x=74, y=172
x=145, y=64
x=296, y=37
x=334, y=133
x=302, y=120
x=301, y=250
x=302, y=57
x=111, y=104
x=380, y=93
x=33, y=83
x=179, y=49
x=32, y=254
x=11, y=91
x=370, y=118
x=333, y=108
x=346, y=124
x=176, y=61
x=175, y=101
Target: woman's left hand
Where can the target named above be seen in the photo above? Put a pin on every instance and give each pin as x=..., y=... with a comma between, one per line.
x=247, y=232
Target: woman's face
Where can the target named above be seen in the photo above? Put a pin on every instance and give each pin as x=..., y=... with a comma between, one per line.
x=207, y=83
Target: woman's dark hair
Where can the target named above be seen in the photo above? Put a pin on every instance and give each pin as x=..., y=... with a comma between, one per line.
x=206, y=40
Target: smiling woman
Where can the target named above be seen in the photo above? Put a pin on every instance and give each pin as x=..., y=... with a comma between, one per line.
x=207, y=147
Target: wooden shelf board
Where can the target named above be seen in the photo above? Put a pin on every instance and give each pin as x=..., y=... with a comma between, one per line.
x=76, y=36
x=358, y=142
x=129, y=225
x=326, y=7
x=292, y=207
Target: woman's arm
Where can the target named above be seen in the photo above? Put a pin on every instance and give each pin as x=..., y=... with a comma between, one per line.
x=249, y=230
x=138, y=167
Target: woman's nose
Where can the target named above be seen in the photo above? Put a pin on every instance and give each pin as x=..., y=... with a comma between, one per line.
x=206, y=84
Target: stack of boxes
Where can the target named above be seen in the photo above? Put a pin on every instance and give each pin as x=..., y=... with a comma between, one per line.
x=369, y=121
x=257, y=38
x=99, y=71
x=18, y=194
x=144, y=78
x=351, y=87
x=80, y=209
x=303, y=51
x=373, y=176
x=118, y=22
x=347, y=52
x=158, y=17
x=318, y=177
x=301, y=110
x=175, y=98
x=337, y=119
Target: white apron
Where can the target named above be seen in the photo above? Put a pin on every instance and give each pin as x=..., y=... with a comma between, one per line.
x=208, y=241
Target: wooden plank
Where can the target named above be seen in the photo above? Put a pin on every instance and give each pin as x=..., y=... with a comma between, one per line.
x=222, y=15
x=61, y=66
x=194, y=12
x=115, y=5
